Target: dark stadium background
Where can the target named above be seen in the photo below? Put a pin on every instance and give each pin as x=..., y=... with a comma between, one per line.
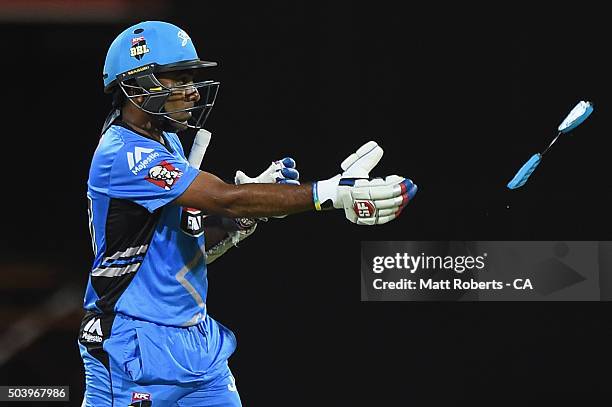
x=459, y=98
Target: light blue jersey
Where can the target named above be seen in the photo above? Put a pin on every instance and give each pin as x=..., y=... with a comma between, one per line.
x=149, y=262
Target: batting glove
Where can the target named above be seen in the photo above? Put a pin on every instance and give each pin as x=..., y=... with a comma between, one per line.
x=365, y=201
x=279, y=172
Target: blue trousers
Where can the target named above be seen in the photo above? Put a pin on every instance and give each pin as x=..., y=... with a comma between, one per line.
x=129, y=362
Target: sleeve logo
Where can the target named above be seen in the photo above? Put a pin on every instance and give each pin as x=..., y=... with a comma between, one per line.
x=164, y=175
x=135, y=160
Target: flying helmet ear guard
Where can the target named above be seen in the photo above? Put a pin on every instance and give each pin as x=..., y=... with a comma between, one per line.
x=151, y=47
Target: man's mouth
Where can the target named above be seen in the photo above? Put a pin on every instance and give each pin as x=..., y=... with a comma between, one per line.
x=182, y=117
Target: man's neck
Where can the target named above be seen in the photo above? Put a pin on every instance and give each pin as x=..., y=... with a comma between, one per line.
x=141, y=123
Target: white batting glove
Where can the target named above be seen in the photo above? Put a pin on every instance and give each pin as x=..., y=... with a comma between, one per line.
x=279, y=172
x=365, y=201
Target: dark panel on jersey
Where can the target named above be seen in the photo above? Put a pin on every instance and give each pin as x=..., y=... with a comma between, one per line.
x=129, y=227
x=95, y=329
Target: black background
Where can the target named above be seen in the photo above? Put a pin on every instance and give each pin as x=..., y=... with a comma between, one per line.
x=459, y=98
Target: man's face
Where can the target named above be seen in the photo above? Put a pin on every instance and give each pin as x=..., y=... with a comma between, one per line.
x=183, y=98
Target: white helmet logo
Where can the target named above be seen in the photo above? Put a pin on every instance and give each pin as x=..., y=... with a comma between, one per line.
x=183, y=36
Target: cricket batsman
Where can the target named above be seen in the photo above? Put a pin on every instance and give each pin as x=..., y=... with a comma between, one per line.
x=156, y=221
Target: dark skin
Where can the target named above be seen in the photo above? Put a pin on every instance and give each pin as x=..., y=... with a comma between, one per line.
x=208, y=192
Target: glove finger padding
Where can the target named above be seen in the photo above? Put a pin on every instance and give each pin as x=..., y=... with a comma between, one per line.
x=376, y=201
x=290, y=174
x=277, y=171
x=289, y=181
x=361, y=162
x=288, y=162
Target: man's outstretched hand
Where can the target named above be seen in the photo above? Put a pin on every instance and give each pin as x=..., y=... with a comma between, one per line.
x=365, y=200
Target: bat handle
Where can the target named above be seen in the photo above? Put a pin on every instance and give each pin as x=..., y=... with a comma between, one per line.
x=550, y=145
x=198, y=149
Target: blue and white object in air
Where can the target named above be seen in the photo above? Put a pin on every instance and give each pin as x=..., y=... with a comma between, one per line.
x=574, y=119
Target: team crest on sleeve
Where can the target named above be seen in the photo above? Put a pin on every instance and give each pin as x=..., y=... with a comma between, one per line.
x=164, y=175
x=139, y=47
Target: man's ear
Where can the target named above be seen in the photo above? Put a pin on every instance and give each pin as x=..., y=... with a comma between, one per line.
x=139, y=100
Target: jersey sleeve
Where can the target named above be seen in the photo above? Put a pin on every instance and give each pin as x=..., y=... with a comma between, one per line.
x=146, y=173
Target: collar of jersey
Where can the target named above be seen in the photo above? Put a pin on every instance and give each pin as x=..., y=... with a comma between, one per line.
x=121, y=123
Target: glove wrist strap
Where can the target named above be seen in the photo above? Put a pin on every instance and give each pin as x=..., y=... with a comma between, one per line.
x=325, y=193
x=315, y=196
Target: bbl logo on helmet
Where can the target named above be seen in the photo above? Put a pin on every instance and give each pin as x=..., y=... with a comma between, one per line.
x=139, y=47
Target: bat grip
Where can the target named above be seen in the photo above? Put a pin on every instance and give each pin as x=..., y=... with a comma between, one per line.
x=198, y=149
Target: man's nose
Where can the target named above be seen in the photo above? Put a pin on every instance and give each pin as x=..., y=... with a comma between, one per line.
x=192, y=94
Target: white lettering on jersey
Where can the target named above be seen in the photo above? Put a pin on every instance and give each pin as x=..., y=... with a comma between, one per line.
x=135, y=161
x=92, y=331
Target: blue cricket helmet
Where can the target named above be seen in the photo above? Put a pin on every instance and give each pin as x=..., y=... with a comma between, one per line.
x=151, y=47
x=162, y=44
